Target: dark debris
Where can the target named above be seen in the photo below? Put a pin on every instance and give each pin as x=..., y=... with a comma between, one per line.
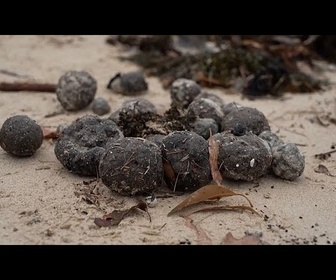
x=266, y=64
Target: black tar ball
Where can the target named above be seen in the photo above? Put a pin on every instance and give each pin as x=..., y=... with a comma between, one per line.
x=245, y=157
x=251, y=118
x=76, y=90
x=202, y=126
x=130, y=83
x=81, y=144
x=131, y=166
x=288, y=162
x=205, y=108
x=183, y=92
x=186, y=161
x=21, y=136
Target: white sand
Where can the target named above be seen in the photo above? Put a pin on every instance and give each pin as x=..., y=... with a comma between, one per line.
x=38, y=204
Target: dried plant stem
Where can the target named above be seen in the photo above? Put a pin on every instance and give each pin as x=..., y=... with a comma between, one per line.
x=28, y=86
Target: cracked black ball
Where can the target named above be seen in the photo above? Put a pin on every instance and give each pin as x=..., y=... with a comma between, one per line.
x=81, y=144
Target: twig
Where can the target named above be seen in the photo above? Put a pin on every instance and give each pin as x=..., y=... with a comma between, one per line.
x=13, y=74
x=302, y=145
x=53, y=114
x=324, y=155
x=291, y=131
x=28, y=86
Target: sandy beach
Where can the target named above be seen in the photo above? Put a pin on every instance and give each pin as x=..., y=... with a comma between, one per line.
x=43, y=203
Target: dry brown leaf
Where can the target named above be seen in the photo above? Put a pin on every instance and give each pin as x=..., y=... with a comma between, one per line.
x=224, y=207
x=116, y=216
x=209, y=192
x=205, y=193
x=47, y=134
x=202, y=237
x=253, y=239
x=324, y=155
x=213, y=159
x=168, y=171
x=208, y=81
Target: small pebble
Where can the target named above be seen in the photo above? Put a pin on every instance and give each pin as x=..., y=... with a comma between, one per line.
x=100, y=106
x=21, y=136
x=76, y=90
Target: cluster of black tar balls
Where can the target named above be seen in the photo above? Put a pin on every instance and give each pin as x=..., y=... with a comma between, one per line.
x=96, y=146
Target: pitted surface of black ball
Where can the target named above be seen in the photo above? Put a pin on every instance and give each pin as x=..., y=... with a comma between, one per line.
x=76, y=90
x=21, y=136
x=251, y=118
x=81, y=144
x=183, y=92
x=245, y=157
x=100, y=106
x=131, y=166
x=288, y=162
x=130, y=83
x=205, y=108
x=186, y=160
